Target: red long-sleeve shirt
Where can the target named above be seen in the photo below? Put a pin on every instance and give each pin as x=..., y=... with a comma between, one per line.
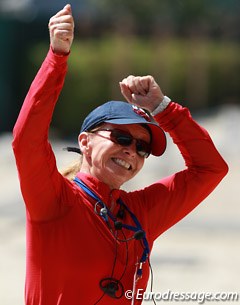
x=70, y=248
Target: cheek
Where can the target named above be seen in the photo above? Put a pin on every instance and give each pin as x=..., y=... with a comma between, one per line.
x=101, y=152
x=139, y=165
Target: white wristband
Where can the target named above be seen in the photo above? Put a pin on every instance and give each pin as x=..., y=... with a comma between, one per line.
x=163, y=105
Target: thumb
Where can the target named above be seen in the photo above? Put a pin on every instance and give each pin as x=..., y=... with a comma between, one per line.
x=68, y=8
x=138, y=99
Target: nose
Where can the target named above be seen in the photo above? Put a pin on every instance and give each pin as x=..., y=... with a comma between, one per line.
x=131, y=149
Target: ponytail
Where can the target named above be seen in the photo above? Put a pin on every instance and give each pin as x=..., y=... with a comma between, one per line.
x=72, y=169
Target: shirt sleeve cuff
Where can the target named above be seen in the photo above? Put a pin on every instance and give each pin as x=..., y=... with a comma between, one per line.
x=57, y=58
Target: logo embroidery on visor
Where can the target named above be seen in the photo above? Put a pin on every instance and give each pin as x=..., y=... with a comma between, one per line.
x=141, y=112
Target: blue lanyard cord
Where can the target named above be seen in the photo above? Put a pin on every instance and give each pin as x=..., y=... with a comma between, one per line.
x=94, y=196
x=138, y=227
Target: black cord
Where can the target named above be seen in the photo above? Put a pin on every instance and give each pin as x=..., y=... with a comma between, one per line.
x=115, y=260
x=114, y=264
x=100, y=298
x=115, y=257
x=126, y=263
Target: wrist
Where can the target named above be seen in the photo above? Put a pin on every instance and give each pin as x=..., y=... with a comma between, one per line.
x=60, y=54
x=162, y=106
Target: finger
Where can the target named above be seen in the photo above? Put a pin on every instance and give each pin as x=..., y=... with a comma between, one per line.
x=68, y=8
x=134, y=84
x=138, y=100
x=129, y=81
x=125, y=91
x=65, y=15
x=61, y=19
x=138, y=85
x=65, y=11
x=152, y=83
x=62, y=26
x=63, y=35
x=145, y=81
x=126, y=81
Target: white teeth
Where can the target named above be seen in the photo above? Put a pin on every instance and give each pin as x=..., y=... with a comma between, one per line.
x=122, y=163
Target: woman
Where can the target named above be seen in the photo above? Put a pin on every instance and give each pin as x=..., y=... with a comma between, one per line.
x=88, y=241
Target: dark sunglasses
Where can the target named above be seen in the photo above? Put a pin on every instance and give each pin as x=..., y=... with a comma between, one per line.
x=124, y=138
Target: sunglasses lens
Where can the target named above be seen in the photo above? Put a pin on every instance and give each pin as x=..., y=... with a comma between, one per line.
x=121, y=138
x=143, y=148
x=125, y=139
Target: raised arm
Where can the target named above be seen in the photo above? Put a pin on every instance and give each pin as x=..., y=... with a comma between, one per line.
x=39, y=179
x=170, y=199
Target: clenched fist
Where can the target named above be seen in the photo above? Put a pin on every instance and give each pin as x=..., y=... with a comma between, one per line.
x=61, y=29
x=142, y=91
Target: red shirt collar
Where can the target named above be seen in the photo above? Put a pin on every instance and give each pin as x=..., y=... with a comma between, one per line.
x=101, y=189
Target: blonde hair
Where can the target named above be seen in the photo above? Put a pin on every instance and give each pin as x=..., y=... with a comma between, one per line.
x=72, y=169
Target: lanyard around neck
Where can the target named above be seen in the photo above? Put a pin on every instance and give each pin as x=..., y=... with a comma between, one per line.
x=138, y=226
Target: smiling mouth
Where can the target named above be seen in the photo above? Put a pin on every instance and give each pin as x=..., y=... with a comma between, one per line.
x=122, y=163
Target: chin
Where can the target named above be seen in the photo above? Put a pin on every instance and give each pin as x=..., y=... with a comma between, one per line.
x=114, y=185
x=112, y=180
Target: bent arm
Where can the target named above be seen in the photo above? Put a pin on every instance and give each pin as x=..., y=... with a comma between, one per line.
x=39, y=179
x=175, y=196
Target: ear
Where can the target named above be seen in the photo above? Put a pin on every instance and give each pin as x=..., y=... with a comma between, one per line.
x=84, y=142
